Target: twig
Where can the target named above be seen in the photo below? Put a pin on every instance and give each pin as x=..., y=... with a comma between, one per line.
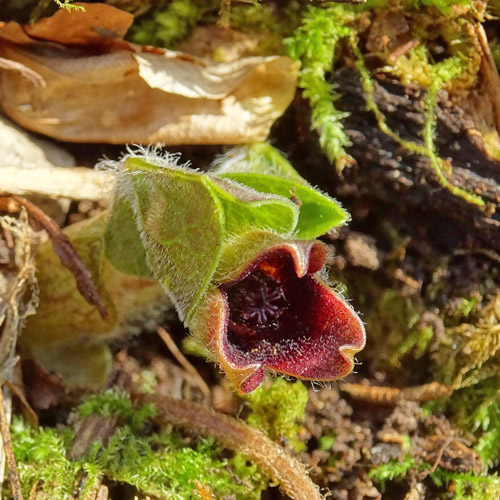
x=75, y=183
x=439, y=456
x=392, y=395
x=487, y=252
x=63, y=248
x=490, y=73
x=181, y=359
x=402, y=50
x=238, y=436
x=30, y=416
x=9, y=453
x=440, y=453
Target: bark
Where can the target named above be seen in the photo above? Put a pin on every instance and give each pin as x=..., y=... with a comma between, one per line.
x=386, y=172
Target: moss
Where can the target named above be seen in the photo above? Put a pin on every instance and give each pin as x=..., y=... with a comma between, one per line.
x=66, y=4
x=168, y=26
x=443, y=6
x=163, y=464
x=466, y=485
x=476, y=411
x=271, y=24
x=41, y=457
x=394, y=323
x=250, y=473
x=314, y=44
x=278, y=409
x=118, y=404
x=326, y=442
x=440, y=73
x=470, y=350
x=393, y=470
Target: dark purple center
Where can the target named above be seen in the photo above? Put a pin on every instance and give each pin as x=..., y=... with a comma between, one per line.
x=258, y=301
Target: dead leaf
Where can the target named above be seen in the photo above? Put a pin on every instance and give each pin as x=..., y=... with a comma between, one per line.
x=100, y=88
x=67, y=335
x=99, y=26
x=63, y=248
x=18, y=289
x=32, y=76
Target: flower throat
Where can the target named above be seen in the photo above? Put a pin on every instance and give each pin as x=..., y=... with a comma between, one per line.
x=257, y=301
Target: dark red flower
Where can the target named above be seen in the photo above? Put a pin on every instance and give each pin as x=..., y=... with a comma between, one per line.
x=280, y=315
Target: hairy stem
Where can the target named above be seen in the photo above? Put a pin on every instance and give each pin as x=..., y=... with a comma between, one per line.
x=238, y=436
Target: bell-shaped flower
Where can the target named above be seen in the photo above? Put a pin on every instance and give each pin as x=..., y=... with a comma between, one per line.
x=235, y=251
x=278, y=314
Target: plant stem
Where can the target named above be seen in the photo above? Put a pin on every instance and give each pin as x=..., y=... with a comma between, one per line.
x=238, y=436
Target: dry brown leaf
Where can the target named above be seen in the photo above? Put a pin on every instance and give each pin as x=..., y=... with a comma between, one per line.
x=67, y=335
x=99, y=25
x=100, y=88
x=63, y=248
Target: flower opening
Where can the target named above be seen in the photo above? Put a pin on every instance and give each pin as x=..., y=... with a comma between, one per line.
x=279, y=315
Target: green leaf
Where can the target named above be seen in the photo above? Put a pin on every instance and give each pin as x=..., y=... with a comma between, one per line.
x=246, y=210
x=181, y=227
x=186, y=226
x=318, y=212
x=124, y=248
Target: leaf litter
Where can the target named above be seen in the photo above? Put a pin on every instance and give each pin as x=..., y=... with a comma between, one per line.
x=100, y=88
x=347, y=439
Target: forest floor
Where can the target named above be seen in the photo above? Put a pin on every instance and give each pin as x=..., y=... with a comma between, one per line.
x=394, y=111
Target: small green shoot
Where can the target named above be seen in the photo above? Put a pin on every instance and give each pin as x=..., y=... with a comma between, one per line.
x=314, y=44
x=278, y=409
x=66, y=4
x=447, y=69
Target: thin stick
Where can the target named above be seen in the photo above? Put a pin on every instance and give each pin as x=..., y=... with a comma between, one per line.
x=440, y=454
x=30, y=414
x=181, y=359
x=393, y=395
x=490, y=73
x=76, y=183
x=9, y=452
x=236, y=435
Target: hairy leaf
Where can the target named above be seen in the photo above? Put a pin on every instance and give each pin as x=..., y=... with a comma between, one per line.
x=245, y=209
x=318, y=212
x=124, y=248
x=181, y=226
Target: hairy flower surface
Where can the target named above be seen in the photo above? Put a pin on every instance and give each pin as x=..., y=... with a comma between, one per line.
x=278, y=314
